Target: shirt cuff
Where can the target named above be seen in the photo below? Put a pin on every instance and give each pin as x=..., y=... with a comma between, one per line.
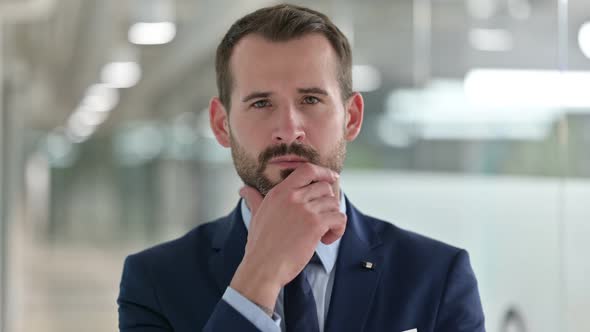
x=252, y=312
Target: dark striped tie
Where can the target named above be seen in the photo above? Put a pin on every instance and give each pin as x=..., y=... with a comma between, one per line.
x=300, y=309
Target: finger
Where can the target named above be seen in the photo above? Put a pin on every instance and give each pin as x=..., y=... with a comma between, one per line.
x=317, y=190
x=308, y=173
x=337, y=227
x=253, y=198
x=324, y=204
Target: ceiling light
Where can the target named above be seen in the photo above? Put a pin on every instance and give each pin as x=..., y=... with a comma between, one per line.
x=89, y=117
x=77, y=131
x=121, y=75
x=100, y=98
x=584, y=39
x=156, y=33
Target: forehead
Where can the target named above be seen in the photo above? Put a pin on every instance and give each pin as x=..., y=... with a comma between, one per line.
x=258, y=63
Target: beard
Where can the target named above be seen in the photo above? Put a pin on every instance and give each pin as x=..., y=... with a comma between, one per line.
x=251, y=170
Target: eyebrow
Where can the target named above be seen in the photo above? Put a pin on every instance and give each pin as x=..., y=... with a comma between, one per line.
x=266, y=94
x=314, y=90
x=255, y=95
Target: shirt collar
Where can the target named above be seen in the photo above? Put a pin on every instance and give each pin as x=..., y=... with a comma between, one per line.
x=326, y=252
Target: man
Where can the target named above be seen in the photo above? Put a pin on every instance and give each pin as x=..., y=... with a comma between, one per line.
x=295, y=254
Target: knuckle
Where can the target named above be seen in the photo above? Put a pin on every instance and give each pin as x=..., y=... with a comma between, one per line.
x=293, y=197
x=307, y=167
x=331, y=190
x=310, y=208
x=312, y=217
x=333, y=204
x=319, y=226
x=313, y=170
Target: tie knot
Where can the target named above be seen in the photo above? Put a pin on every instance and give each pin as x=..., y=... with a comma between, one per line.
x=315, y=259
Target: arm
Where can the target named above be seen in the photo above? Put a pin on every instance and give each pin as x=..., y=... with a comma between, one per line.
x=460, y=308
x=287, y=225
x=304, y=204
x=139, y=309
x=235, y=312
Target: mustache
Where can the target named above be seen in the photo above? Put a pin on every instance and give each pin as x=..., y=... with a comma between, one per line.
x=299, y=150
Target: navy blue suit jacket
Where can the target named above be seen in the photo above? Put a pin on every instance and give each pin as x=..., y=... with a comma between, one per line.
x=417, y=282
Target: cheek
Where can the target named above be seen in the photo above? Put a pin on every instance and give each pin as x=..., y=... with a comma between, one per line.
x=327, y=129
x=326, y=139
x=252, y=140
x=249, y=141
x=243, y=130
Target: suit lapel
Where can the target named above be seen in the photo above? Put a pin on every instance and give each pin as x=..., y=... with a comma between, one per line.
x=354, y=285
x=228, y=244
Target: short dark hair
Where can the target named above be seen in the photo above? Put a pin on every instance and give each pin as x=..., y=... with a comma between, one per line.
x=282, y=23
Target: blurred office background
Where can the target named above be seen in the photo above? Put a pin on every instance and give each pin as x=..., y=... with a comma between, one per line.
x=477, y=133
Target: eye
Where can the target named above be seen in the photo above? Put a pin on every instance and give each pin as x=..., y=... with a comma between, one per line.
x=261, y=103
x=310, y=100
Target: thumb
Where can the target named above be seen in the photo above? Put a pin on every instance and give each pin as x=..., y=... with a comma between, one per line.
x=253, y=198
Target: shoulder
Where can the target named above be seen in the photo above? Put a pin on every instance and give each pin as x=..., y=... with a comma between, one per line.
x=190, y=246
x=426, y=265
x=412, y=246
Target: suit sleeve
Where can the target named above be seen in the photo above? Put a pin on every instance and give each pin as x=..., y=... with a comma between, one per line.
x=139, y=310
x=227, y=318
x=460, y=309
x=252, y=312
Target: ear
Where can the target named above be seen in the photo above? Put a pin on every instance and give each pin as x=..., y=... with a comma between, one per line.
x=219, y=121
x=354, y=116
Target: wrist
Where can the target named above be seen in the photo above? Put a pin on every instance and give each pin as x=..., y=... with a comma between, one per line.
x=266, y=310
x=256, y=286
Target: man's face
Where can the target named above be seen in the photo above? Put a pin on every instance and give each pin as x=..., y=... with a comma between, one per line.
x=286, y=109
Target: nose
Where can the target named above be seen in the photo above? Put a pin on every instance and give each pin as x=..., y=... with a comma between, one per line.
x=289, y=126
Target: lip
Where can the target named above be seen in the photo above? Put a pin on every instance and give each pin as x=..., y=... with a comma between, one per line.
x=288, y=160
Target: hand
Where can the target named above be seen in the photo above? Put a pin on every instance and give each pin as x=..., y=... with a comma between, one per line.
x=286, y=227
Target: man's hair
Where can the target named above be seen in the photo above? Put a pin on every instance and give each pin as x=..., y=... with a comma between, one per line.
x=282, y=23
